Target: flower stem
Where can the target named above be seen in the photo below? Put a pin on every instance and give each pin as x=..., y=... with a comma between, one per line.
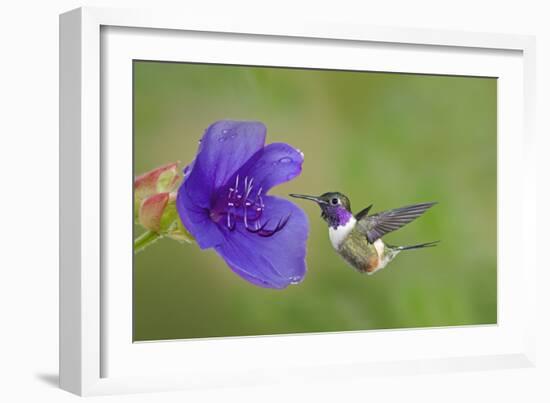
x=145, y=239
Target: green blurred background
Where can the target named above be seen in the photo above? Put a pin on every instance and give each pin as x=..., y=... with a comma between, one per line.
x=388, y=139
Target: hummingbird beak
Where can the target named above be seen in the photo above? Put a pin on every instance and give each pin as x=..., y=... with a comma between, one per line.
x=312, y=198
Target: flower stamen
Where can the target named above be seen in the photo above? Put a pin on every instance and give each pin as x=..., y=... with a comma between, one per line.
x=263, y=232
x=247, y=204
x=231, y=224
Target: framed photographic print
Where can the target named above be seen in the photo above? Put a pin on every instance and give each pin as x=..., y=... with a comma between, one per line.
x=244, y=200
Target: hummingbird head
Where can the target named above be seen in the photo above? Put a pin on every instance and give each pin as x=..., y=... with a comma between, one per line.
x=335, y=207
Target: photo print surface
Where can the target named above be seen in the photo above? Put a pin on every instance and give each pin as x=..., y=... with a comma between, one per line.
x=221, y=247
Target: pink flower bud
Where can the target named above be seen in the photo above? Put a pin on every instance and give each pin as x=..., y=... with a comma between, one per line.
x=155, y=203
x=151, y=211
x=159, y=180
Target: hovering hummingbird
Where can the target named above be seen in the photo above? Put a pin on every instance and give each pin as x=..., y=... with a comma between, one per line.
x=357, y=238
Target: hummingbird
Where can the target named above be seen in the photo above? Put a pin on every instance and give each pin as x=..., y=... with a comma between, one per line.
x=358, y=238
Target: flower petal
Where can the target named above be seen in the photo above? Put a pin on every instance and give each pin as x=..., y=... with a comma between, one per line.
x=225, y=147
x=272, y=262
x=278, y=163
x=197, y=220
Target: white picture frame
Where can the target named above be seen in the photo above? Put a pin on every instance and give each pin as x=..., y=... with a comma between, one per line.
x=96, y=354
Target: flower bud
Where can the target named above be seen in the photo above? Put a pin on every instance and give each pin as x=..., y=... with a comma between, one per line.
x=155, y=202
x=159, y=180
x=151, y=211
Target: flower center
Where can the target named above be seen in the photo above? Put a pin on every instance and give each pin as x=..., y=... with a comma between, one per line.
x=242, y=202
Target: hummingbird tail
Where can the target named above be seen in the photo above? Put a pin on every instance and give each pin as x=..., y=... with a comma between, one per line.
x=417, y=246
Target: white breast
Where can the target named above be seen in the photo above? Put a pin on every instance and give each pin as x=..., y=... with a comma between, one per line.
x=338, y=234
x=379, y=246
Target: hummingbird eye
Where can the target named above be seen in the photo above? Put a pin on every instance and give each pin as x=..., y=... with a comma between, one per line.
x=334, y=201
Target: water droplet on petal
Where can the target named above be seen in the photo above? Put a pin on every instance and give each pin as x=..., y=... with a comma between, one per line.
x=295, y=280
x=227, y=134
x=285, y=160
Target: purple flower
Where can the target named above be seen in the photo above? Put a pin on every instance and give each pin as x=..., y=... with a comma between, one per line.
x=223, y=203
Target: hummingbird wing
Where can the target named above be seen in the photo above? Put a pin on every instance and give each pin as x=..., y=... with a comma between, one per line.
x=377, y=225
